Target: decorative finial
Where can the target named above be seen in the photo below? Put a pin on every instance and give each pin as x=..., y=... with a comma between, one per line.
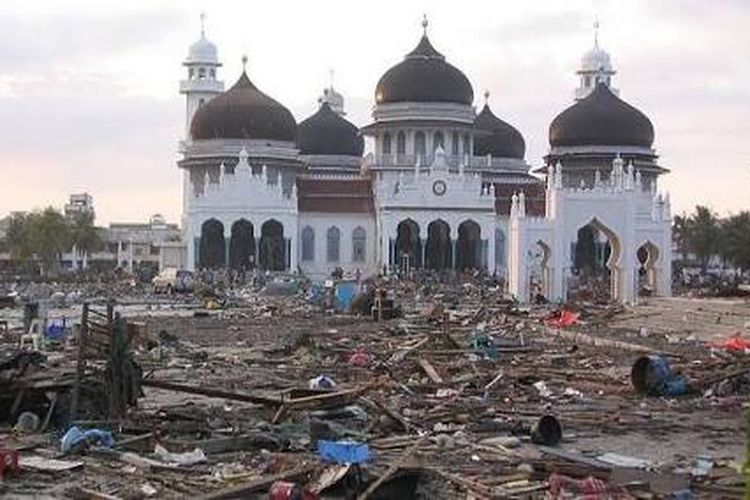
x=596, y=32
x=203, y=24
x=331, y=75
x=486, y=96
x=244, y=62
x=425, y=23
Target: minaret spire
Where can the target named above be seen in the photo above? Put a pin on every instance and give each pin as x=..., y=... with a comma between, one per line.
x=425, y=23
x=596, y=32
x=203, y=24
x=244, y=62
x=486, y=97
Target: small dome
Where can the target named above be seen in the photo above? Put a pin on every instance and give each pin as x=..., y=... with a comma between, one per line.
x=496, y=137
x=243, y=112
x=424, y=76
x=327, y=133
x=596, y=59
x=202, y=51
x=601, y=119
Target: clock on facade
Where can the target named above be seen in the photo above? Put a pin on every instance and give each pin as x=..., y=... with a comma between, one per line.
x=439, y=188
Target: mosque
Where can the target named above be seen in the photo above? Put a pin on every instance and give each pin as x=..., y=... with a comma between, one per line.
x=444, y=187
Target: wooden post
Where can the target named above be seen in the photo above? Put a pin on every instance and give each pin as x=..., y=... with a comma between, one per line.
x=80, y=362
x=114, y=367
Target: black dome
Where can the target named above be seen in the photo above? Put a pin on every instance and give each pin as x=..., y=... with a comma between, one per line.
x=424, y=76
x=327, y=133
x=496, y=137
x=601, y=119
x=243, y=112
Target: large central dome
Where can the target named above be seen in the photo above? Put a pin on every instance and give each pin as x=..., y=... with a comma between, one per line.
x=243, y=112
x=424, y=76
x=601, y=119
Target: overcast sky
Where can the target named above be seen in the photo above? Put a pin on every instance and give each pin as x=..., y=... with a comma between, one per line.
x=89, y=101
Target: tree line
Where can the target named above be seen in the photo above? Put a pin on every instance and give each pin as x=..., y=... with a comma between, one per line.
x=705, y=235
x=41, y=237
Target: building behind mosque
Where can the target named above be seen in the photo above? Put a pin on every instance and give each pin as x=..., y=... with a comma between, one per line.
x=444, y=188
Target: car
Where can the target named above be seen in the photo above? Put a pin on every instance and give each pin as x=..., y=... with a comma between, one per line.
x=173, y=280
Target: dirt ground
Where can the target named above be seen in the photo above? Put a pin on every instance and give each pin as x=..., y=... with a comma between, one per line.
x=438, y=391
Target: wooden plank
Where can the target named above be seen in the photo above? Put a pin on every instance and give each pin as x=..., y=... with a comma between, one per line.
x=432, y=374
x=47, y=464
x=392, y=469
x=79, y=492
x=213, y=393
x=260, y=484
x=80, y=362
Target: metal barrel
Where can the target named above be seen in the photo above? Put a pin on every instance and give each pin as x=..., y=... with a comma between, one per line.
x=547, y=431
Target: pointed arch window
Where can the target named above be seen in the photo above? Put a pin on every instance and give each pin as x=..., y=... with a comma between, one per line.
x=420, y=146
x=359, y=244
x=438, y=140
x=308, y=244
x=333, y=246
x=401, y=143
x=499, y=248
x=387, y=143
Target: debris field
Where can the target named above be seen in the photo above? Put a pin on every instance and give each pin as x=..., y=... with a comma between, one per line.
x=462, y=394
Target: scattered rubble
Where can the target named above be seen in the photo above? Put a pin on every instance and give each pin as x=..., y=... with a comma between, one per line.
x=433, y=387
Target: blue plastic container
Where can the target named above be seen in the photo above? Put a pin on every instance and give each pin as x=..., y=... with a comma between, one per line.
x=652, y=375
x=344, y=452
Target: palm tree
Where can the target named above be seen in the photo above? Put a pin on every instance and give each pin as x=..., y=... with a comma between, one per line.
x=84, y=235
x=736, y=240
x=703, y=229
x=680, y=235
x=49, y=237
x=17, y=238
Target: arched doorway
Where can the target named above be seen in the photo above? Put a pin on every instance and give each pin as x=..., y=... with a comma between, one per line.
x=272, y=246
x=242, y=246
x=438, y=249
x=648, y=256
x=408, y=251
x=596, y=264
x=468, y=246
x=212, y=253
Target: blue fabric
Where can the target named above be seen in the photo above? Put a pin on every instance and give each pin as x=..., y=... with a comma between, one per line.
x=344, y=452
x=669, y=383
x=57, y=330
x=345, y=293
x=76, y=436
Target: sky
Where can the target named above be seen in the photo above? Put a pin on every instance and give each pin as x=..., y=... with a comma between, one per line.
x=89, y=89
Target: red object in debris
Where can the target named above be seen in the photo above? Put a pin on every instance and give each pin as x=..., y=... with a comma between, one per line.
x=734, y=343
x=284, y=490
x=591, y=488
x=563, y=319
x=359, y=358
x=8, y=462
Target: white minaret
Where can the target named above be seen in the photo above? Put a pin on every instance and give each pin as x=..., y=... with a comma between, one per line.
x=595, y=67
x=334, y=99
x=201, y=84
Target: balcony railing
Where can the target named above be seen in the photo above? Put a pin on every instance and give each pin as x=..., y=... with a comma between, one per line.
x=454, y=161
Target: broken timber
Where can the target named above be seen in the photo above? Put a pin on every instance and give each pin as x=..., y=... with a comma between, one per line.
x=213, y=393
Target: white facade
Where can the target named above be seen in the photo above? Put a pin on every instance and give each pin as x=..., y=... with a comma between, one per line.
x=628, y=213
x=434, y=204
x=347, y=241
